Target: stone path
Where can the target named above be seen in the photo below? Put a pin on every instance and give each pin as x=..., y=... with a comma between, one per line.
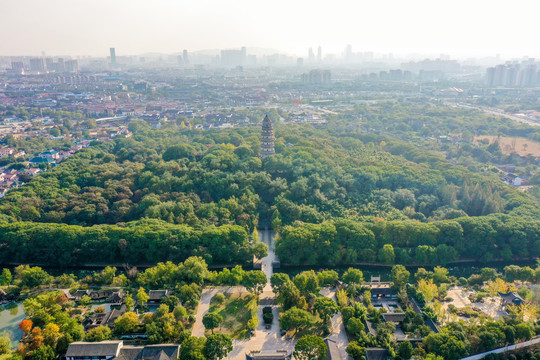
x=339, y=334
x=264, y=339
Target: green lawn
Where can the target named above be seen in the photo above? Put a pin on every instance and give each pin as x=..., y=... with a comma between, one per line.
x=236, y=310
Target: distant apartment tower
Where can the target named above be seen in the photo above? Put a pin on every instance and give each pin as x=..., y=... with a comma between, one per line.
x=233, y=57
x=49, y=63
x=396, y=75
x=113, y=56
x=267, y=138
x=527, y=76
x=37, y=64
x=512, y=75
x=17, y=65
x=319, y=54
x=185, y=57
x=71, y=66
x=59, y=66
x=317, y=76
x=348, y=53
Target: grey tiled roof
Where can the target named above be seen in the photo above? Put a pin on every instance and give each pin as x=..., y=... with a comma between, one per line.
x=111, y=348
x=394, y=317
x=102, y=348
x=155, y=295
x=377, y=354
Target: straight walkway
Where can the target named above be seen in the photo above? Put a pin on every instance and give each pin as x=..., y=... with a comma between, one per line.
x=339, y=334
x=264, y=339
x=504, y=349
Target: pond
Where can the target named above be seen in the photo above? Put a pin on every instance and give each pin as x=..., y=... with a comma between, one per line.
x=10, y=317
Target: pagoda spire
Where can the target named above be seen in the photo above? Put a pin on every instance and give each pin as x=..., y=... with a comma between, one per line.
x=267, y=138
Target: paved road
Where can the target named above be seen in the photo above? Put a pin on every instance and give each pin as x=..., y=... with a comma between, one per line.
x=498, y=112
x=339, y=335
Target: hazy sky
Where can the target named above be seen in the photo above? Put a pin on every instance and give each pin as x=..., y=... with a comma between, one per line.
x=90, y=27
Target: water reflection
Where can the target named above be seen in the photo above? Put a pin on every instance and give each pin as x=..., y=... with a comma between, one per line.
x=10, y=317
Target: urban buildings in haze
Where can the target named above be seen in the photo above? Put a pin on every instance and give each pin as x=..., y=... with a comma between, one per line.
x=37, y=64
x=524, y=74
x=317, y=76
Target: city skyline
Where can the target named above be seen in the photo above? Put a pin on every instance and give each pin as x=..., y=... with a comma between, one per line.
x=460, y=28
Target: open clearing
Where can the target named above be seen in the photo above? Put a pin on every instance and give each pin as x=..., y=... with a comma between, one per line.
x=509, y=145
x=236, y=310
x=491, y=306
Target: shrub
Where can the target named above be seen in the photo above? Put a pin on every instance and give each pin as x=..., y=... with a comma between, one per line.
x=268, y=318
x=219, y=298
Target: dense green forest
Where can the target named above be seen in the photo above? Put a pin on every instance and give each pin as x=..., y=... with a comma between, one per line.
x=351, y=193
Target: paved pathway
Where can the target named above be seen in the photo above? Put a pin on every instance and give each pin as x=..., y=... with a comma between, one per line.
x=339, y=334
x=264, y=339
x=270, y=340
x=504, y=349
x=204, y=304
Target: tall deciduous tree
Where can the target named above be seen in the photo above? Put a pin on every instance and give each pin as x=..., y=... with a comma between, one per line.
x=295, y=318
x=217, y=346
x=326, y=308
x=254, y=281
x=353, y=276
x=192, y=348
x=212, y=320
x=310, y=347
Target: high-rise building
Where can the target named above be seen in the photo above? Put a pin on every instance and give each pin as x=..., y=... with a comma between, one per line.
x=319, y=54
x=37, y=64
x=311, y=55
x=317, y=76
x=17, y=65
x=113, y=56
x=233, y=57
x=49, y=63
x=348, y=53
x=512, y=75
x=267, y=138
x=185, y=57
x=528, y=76
x=490, y=76
x=71, y=66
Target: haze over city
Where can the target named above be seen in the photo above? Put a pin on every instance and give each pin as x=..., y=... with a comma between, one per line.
x=460, y=28
x=285, y=180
